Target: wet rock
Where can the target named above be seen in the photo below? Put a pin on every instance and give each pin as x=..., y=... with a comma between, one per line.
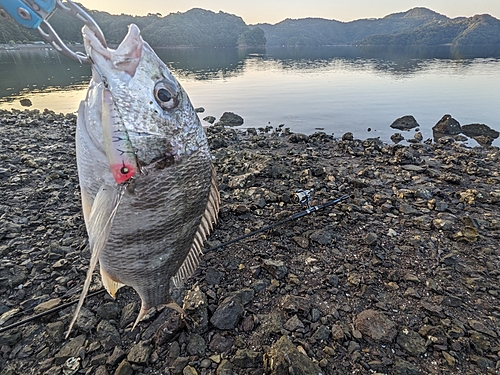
x=447, y=126
x=411, y=341
x=285, y=358
x=230, y=119
x=405, y=123
x=376, y=325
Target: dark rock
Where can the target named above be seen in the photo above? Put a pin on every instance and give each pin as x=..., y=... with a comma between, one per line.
x=55, y=330
x=293, y=323
x=71, y=349
x=276, y=268
x=411, y=341
x=447, y=126
x=397, y=137
x=209, y=119
x=213, y=276
x=348, y=136
x=116, y=356
x=228, y=313
x=405, y=123
x=376, y=325
x=109, y=310
x=298, y=138
x=285, y=358
x=246, y=358
x=322, y=237
x=10, y=338
x=321, y=334
x=196, y=345
x=108, y=335
x=25, y=102
x=178, y=365
x=230, y=119
x=199, y=110
x=220, y=343
x=402, y=367
x=124, y=368
x=474, y=130
x=139, y=353
x=129, y=312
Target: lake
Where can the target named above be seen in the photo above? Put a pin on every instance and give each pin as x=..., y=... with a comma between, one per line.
x=338, y=89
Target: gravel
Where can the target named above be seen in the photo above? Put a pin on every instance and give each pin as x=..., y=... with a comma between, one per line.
x=402, y=278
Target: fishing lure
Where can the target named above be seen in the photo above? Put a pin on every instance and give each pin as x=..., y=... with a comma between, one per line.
x=119, y=149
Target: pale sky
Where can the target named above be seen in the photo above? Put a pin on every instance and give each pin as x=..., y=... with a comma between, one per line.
x=273, y=11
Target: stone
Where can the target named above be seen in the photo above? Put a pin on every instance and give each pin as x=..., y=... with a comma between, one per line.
x=55, y=330
x=447, y=126
x=189, y=370
x=230, y=119
x=46, y=306
x=196, y=307
x=405, y=123
x=209, y=119
x=196, y=345
x=276, y=268
x=298, y=138
x=71, y=349
x=220, y=343
x=108, y=335
x=228, y=314
x=397, y=137
x=101, y=370
x=108, y=310
x=322, y=237
x=246, y=358
x=376, y=325
x=178, y=365
x=293, y=323
x=116, y=356
x=139, y=353
x=285, y=358
x=412, y=342
x=402, y=367
x=10, y=338
x=475, y=130
x=124, y=368
x=322, y=333
x=129, y=313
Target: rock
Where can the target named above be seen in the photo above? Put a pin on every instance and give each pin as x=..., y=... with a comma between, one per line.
x=276, y=268
x=196, y=345
x=348, y=136
x=322, y=333
x=246, y=358
x=298, y=138
x=25, y=102
x=108, y=335
x=405, y=123
x=220, y=343
x=213, y=276
x=447, y=126
x=129, y=312
x=293, y=323
x=178, y=365
x=86, y=321
x=411, y=341
x=189, y=370
x=71, y=349
x=209, y=119
x=109, y=310
x=101, y=370
x=402, y=367
x=475, y=130
x=397, y=137
x=285, y=358
x=124, y=368
x=199, y=110
x=116, y=356
x=46, y=306
x=322, y=237
x=55, y=330
x=230, y=119
x=139, y=353
x=196, y=307
x=10, y=338
x=376, y=325
x=228, y=313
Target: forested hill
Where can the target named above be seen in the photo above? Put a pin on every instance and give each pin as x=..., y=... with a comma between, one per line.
x=418, y=26
x=203, y=28
x=194, y=28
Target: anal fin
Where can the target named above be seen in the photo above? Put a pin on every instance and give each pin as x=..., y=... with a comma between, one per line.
x=111, y=285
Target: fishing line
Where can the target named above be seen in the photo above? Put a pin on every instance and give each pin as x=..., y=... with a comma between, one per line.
x=302, y=196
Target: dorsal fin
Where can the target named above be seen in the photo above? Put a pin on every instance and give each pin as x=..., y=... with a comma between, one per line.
x=101, y=218
x=207, y=221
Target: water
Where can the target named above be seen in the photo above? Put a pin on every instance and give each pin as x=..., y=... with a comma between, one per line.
x=338, y=89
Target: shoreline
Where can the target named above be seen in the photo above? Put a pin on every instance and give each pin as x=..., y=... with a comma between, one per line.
x=401, y=278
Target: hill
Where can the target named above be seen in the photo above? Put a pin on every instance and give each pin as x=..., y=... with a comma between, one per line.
x=203, y=28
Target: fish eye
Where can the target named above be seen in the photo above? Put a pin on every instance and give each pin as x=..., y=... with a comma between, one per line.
x=166, y=95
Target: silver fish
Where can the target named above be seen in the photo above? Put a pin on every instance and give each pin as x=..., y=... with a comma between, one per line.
x=148, y=186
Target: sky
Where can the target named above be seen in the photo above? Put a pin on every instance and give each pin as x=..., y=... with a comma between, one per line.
x=273, y=11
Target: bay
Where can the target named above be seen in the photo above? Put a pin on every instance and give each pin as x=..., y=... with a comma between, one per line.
x=336, y=89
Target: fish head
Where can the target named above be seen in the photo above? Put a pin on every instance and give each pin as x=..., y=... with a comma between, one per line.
x=156, y=111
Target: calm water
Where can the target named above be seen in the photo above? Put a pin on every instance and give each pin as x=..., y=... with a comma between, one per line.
x=339, y=89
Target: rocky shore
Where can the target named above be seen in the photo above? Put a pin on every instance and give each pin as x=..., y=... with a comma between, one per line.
x=402, y=278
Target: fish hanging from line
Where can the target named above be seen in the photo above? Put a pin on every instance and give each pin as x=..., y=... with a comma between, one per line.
x=148, y=186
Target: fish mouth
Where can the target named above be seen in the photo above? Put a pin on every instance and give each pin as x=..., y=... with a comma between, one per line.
x=124, y=59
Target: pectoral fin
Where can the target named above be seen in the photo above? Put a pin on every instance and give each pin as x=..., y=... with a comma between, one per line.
x=99, y=225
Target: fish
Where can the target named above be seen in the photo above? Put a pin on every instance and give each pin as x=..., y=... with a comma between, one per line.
x=148, y=185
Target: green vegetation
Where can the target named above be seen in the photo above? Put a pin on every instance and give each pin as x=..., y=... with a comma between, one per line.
x=203, y=28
